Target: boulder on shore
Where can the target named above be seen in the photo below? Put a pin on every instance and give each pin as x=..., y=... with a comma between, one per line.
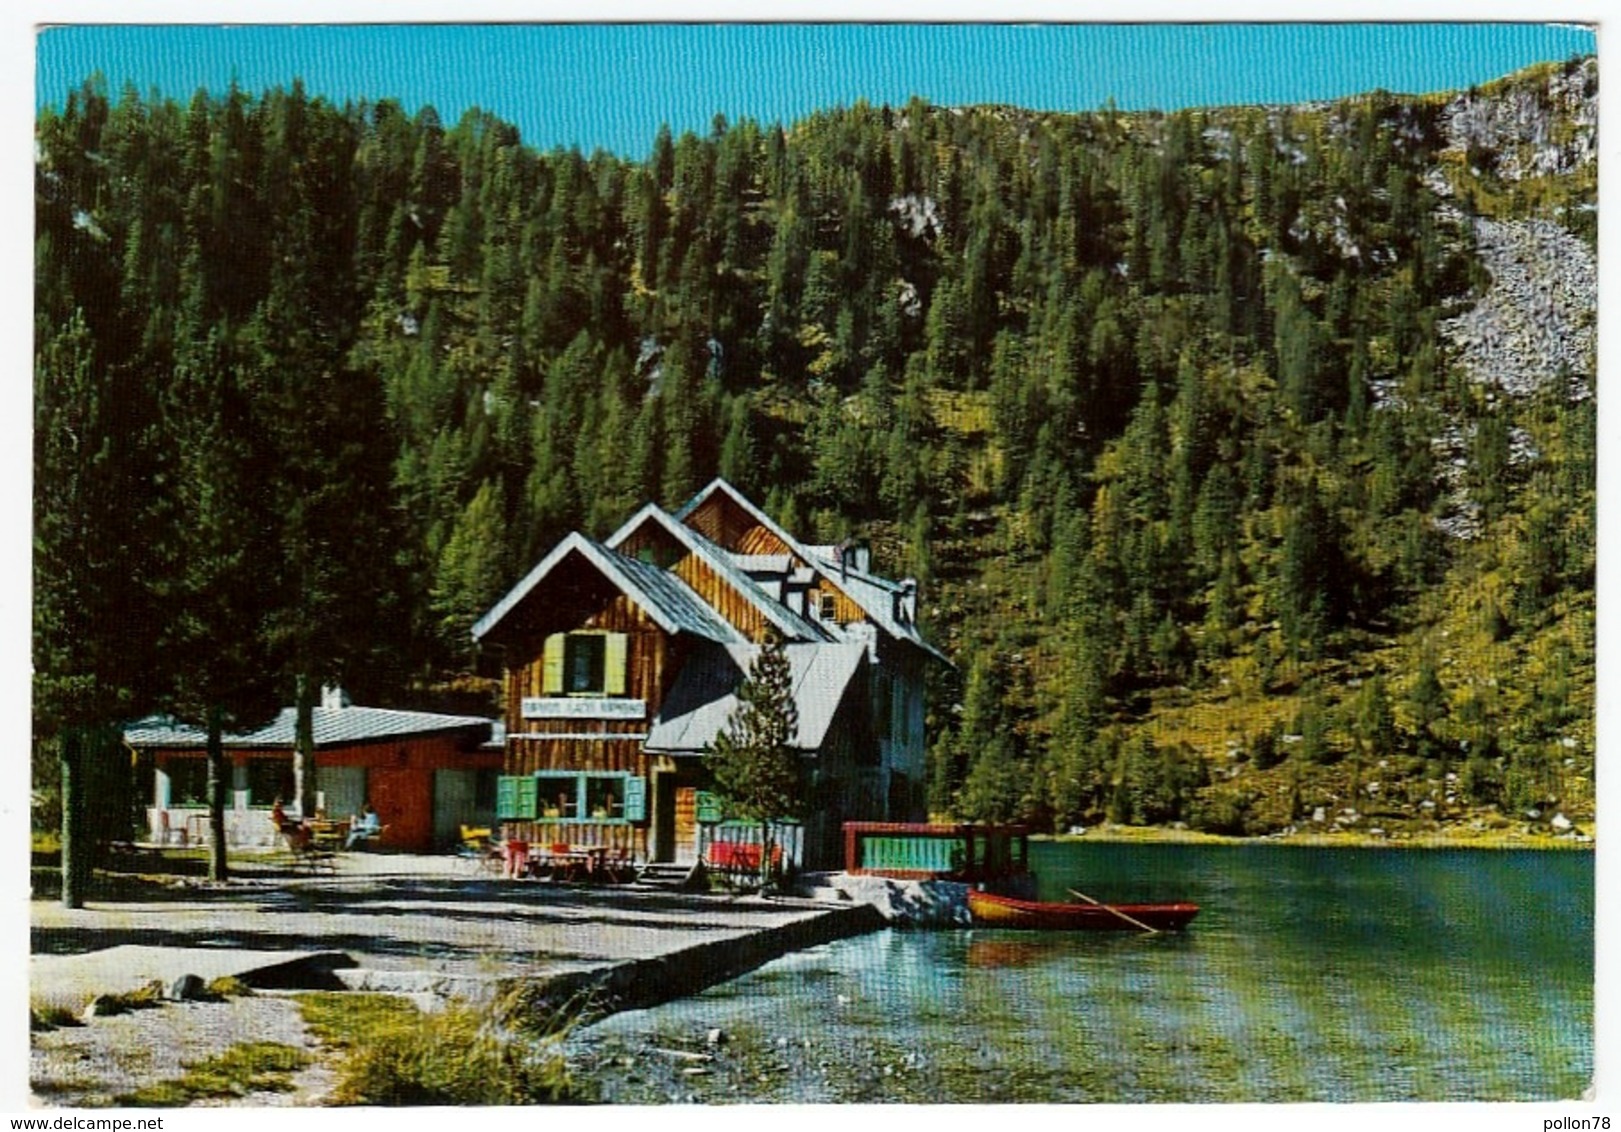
x=188, y=988
x=918, y=903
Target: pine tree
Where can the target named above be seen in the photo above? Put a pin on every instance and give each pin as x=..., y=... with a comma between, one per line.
x=737, y=452
x=223, y=540
x=753, y=760
x=94, y=599
x=473, y=567
x=1427, y=703
x=992, y=790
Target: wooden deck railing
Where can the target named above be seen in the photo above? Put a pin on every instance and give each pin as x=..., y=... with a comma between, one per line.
x=915, y=850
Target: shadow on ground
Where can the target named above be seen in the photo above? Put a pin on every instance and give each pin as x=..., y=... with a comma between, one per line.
x=439, y=919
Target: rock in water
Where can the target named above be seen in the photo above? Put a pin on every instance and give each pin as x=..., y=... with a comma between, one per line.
x=102, y=1006
x=188, y=988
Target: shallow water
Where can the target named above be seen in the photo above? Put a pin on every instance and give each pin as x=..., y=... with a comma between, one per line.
x=1310, y=975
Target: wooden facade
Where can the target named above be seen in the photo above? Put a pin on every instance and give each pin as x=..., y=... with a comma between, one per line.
x=720, y=520
x=723, y=597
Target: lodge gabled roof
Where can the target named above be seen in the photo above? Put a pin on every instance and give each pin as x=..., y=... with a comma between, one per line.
x=765, y=581
x=875, y=595
x=669, y=601
x=790, y=624
x=720, y=486
x=333, y=727
x=704, y=695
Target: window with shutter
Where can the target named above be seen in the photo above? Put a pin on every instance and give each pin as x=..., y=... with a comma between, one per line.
x=515, y=797
x=615, y=676
x=571, y=796
x=635, y=799
x=551, y=680
x=709, y=808
x=583, y=660
x=585, y=664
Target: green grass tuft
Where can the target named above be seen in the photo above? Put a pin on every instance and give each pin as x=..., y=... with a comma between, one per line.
x=394, y=1054
x=250, y=1067
x=229, y=986
x=51, y=1016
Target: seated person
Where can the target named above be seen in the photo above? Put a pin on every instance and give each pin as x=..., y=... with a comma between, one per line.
x=363, y=826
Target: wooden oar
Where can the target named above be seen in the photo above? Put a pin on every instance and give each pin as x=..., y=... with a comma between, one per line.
x=1130, y=920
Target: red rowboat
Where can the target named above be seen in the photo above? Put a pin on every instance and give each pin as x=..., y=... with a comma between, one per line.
x=993, y=911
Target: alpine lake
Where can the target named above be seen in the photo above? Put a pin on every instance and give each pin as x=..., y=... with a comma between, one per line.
x=1311, y=974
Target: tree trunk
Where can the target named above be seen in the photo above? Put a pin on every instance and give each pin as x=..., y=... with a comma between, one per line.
x=304, y=746
x=75, y=846
x=765, y=854
x=217, y=867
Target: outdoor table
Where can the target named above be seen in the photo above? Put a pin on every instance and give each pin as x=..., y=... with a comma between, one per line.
x=576, y=861
x=328, y=834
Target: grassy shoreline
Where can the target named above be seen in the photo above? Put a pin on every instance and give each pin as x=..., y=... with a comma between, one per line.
x=1450, y=838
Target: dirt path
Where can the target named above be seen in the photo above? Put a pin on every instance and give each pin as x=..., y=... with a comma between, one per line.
x=93, y=1065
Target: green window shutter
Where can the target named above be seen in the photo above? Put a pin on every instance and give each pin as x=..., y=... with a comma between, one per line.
x=551, y=668
x=635, y=799
x=514, y=797
x=708, y=807
x=613, y=668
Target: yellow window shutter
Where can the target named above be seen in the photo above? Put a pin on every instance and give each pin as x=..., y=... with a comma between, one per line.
x=551, y=666
x=613, y=664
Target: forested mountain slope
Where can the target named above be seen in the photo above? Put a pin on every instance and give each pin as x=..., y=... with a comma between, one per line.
x=1245, y=455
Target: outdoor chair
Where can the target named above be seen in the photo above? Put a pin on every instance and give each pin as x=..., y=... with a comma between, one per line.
x=303, y=850
x=517, y=859
x=479, y=849
x=619, y=867
x=169, y=834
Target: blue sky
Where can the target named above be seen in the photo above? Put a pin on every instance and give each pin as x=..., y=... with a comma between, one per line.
x=611, y=85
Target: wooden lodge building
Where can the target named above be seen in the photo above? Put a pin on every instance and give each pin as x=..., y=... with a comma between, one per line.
x=623, y=658
x=424, y=773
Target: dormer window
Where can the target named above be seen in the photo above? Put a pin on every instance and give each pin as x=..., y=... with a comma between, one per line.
x=828, y=609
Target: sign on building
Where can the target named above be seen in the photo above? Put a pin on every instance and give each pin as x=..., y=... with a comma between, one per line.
x=565, y=707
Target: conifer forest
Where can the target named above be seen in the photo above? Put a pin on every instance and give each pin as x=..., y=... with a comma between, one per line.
x=1245, y=457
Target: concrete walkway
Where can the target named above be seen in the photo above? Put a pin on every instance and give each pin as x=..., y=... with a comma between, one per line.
x=72, y=980
x=426, y=924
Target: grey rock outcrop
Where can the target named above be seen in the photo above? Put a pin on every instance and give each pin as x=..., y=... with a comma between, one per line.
x=1538, y=319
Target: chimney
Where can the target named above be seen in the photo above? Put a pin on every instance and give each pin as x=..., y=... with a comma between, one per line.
x=855, y=556
x=906, y=601
x=334, y=697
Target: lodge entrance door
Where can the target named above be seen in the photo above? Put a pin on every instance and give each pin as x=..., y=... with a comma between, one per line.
x=675, y=818
x=686, y=824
